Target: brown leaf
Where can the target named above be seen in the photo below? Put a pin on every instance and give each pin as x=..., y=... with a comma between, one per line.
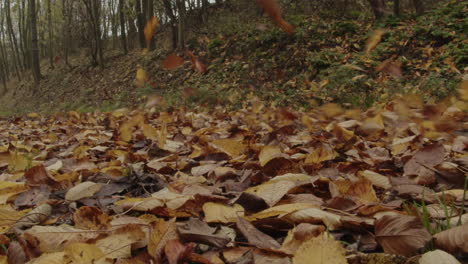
x=254, y=236
x=176, y=251
x=271, y=7
x=38, y=175
x=92, y=218
x=16, y=254
x=421, y=164
x=453, y=240
x=196, y=63
x=198, y=231
x=172, y=61
x=401, y=234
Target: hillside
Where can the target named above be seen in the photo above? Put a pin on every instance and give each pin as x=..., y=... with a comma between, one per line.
x=323, y=62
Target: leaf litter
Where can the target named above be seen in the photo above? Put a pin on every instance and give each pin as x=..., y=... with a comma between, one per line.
x=223, y=186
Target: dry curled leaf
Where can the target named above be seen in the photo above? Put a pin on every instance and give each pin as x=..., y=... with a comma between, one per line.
x=453, y=240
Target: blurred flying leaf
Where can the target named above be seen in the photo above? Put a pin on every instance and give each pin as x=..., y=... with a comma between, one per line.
x=172, y=61
x=374, y=40
x=150, y=29
x=273, y=10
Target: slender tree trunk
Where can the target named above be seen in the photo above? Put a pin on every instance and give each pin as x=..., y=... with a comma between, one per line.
x=140, y=24
x=418, y=6
x=51, y=49
x=97, y=30
x=377, y=8
x=122, y=26
x=14, y=46
x=36, y=70
x=66, y=29
x=396, y=7
x=172, y=18
x=181, y=26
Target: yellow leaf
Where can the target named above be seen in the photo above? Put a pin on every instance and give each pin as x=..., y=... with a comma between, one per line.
x=8, y=189
x=231, y=147
x=377, y=179
x=140, y=204
x=162, y=232
x=361, y=189
x=150, y=29
x=149, y=131
x=54, y=238
x=220, y=213
x=48, y=258
x=320, y=250
x=374, y=40
x=81, y=253
x=119, y=244
x=322, y=153
x=141, y=77
x=162, y=136
x=331, y=110
x=279, y=210
x=9, y=217
x=268, y=153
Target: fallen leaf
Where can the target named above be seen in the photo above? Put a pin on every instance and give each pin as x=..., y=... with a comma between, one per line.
x=220, y=213
x=162, y=232
x=176, y=251
x=401, y=234
x=453, y=240
x=438, y=257
x=82, y=190
x=254, y=236
x=320, y=250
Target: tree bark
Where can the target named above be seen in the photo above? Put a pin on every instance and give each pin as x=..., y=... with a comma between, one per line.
x=396, y=7
x=35, y=67
x=49, y=18
x=419, y=7
x=140, y=24
x=377, y=8
x=181, y=26
x=14, y=47
x=123, y=36
x=172, y=18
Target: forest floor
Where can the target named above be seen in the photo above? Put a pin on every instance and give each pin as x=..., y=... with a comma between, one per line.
x=324, y=61
x=225, y=167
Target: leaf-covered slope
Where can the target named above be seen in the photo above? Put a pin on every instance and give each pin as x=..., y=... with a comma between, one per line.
x=325, y=60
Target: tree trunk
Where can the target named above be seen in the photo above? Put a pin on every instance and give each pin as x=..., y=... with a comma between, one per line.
x=66, y=12
x=140, y=24
x=396, y=7
x=49, y=18
x=14, y=47
x=123, y=37
x=377, y=8
x=35, y=67
x=181, y=25
x=419, y=7
x=172, y=18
